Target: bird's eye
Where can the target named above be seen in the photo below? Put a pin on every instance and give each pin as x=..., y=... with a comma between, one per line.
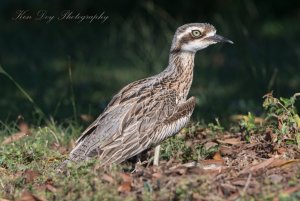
x=196, y=33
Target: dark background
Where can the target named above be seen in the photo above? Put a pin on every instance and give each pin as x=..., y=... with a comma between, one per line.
x=134, y=43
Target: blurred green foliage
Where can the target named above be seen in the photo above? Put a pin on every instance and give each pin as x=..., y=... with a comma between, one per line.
x=134, y=43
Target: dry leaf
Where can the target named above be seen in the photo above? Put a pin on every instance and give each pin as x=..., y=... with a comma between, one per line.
x=281, y=150
x=30, y=175
x=291, y=190
x=126, y=177
x=157, y=175
x=225, y=150
x=282, y=163
x=124, y=187
x=51, y=188
x=24, y=130
x=209, y=145
x=108, y=178
x=239, y=182
x=258, y=166
x=231, y=141
x=218, y=163
x=212, y=166
x=217, y=156
x=27, y=196
x=181, y=170
x=14, y=137
x=197, y=197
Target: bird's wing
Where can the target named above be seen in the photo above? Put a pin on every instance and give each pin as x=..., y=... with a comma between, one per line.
x=161, y=119
x=127, y=122
x=136, y=124
x=129, y=94
x=175, y=122
x=133, y=126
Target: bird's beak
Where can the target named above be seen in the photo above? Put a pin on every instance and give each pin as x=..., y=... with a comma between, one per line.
x=217, y=38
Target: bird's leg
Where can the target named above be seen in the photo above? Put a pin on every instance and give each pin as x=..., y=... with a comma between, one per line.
x=156, y=155
x=139, y=158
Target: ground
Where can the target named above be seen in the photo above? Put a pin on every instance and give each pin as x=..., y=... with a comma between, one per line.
x=253, y=159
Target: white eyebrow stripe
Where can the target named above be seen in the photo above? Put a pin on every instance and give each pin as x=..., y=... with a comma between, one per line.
x=188, y=30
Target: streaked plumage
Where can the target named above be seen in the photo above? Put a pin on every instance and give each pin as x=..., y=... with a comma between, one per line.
x=147, y=111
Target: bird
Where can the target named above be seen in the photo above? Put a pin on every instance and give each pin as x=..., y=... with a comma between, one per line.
x=146, y=112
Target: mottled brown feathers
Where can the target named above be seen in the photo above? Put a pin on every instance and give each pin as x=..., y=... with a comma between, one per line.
x=145, y=112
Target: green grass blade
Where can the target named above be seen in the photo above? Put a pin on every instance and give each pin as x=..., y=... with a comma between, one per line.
x=38, y=109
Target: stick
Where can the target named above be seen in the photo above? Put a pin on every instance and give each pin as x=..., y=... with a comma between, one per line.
x=156, y=155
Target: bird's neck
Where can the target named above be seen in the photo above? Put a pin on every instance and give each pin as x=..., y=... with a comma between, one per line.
x=180, y=71
x=181, y=62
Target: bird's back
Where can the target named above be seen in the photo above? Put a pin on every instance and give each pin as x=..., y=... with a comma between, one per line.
x=128, y=118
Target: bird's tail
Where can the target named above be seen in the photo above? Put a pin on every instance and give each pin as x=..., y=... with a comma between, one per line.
x=76, y=155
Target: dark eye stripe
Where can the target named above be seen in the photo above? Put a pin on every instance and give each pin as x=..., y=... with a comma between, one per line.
x=185, y=39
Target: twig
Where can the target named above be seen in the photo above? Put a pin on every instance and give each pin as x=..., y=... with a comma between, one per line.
x=1, y=184
x=247, y=183
x=156, y=155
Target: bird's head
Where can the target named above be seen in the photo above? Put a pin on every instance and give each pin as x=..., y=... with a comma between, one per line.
x=196, y=36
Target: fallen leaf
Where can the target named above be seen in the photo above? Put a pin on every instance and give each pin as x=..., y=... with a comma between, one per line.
x=197, y=197
x=30, y=175
x=225, y=150
x=209, y=145
x=217, y=156
x=108, y=178
x=239, y=182
x=212, y=166
x=125, y=177
x=15, y=137
x=124, y=187
x=281, y=150
x=157, y=175
x=24, y=130
x=228, y=188
x=27, y=196
x=258, y=166
x=51, y=188
x=181, y=171
x=231, y=141
x=218, y=163
x=291, y=190
x=282, y=163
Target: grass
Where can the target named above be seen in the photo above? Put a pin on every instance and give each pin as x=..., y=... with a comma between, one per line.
x=81, y=78
x=27, y=165
x=29, y=157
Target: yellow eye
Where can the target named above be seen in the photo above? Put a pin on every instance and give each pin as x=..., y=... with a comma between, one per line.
x=196, y=33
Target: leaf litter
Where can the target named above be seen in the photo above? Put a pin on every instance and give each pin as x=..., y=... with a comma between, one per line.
x=200, y=163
